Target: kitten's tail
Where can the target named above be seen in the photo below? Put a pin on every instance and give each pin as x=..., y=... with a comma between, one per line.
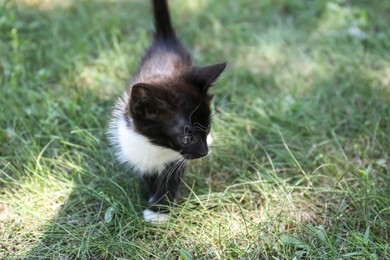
x=162, y=21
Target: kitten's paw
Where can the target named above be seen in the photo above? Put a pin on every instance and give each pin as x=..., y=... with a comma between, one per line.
x=155, y=217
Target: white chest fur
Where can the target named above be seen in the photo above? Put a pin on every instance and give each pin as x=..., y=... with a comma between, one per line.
x=136, y=150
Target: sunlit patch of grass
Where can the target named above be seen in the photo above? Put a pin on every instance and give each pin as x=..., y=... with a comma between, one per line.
x=381, y=75
x=46, y=5
x=191, y=6
x=345, y=19
x=35, y=199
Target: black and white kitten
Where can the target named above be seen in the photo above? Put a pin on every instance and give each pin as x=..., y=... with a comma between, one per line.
x=163, y=119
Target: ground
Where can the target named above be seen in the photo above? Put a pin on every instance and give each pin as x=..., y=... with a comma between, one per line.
x=300, y=163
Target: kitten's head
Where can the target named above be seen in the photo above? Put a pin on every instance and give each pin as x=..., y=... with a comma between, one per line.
x=175, y=113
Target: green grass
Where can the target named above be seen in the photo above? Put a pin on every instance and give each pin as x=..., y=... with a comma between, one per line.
x=300, y=165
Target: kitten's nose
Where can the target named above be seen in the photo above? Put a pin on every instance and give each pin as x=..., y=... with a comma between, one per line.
x=203, y=150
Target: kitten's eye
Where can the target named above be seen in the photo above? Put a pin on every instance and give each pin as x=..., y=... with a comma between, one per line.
x=186, y=139
x=151, y=113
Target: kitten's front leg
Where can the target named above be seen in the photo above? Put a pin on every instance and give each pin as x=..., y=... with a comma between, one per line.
x=162, y=189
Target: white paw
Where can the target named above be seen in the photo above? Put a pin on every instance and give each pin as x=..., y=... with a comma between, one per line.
x=155, y=217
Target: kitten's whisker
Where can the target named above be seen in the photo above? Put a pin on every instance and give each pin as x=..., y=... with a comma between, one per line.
x=200, y=129
x=196, y=108
x=199, y=126
x=172, y=169
x=198, y=138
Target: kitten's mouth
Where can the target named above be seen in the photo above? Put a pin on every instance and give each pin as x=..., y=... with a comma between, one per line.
x=194, y=156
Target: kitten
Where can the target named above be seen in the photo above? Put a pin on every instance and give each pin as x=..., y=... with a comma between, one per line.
x=163, y=119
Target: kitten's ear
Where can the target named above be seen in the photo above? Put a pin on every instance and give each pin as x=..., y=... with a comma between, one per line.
x=146, y=103
x=205, y=76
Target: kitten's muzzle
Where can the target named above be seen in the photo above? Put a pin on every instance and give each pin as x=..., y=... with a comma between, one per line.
x=199, y=153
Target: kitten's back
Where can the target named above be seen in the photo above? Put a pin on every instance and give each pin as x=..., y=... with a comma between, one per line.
x=166, y=56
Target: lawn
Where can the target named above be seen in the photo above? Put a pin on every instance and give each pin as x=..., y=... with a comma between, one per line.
x=300, y=164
